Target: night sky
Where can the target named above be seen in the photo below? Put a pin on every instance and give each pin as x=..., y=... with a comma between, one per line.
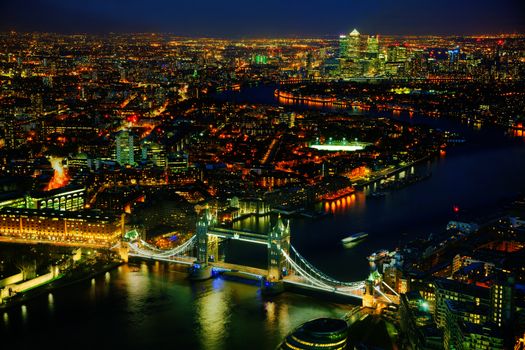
x=249, y=18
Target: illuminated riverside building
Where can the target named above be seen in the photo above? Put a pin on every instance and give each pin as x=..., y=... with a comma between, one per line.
x=466, y=328
x=69, y=198
x=249, y=206
x=321, y=333
x=474, y=336
x=51, y=226
x=470, y=318
x=451, y=290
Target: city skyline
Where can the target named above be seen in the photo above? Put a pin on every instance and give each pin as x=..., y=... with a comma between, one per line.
x=264, y=175
x=236, y=19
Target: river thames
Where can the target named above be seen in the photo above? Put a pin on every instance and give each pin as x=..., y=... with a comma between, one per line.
x=146, y=305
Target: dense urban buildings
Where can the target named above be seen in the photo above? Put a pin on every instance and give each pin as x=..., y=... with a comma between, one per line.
x=351, y=191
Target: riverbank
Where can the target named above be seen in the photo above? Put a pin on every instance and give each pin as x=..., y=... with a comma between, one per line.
x=393, y=172
x=67, y=279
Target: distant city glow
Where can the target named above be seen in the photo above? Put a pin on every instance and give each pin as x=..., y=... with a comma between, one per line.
x=341, y=147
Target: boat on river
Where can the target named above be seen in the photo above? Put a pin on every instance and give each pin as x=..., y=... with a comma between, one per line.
x=354, y=239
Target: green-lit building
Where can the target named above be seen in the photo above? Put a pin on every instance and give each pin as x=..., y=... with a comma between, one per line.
x=260, y=59
x=13, y=200
x=321, y=333
x=69, y=198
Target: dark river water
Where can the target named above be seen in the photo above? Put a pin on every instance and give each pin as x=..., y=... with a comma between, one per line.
x=154, y=305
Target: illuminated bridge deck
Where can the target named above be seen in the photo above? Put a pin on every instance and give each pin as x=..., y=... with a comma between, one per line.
x=251, y=271
x=184, y=260
x=238, y=235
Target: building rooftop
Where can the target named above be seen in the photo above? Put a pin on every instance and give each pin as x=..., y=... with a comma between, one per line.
x=462, y=288
x=89, y=215
x=57, y=191
x=324, y=326
x=464, y=307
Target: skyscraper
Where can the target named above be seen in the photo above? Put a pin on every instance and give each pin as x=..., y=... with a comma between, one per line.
x=154, y=152
x=354, y=44
x=350, y=50
x=125, y=147
x=372, y=47
x=502, y=305
x=343, y=46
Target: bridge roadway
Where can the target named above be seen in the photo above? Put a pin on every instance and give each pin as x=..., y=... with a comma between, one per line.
x=239, y=235
x=343, y=290
x=185, y=260
x=247, y=270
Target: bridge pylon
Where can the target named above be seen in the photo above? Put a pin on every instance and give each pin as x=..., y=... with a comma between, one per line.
x=278, y=241
x=123, y=251
x=201, y=269
x=369, y=298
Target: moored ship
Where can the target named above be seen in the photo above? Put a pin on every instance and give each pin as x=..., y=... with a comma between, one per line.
x=378, y=255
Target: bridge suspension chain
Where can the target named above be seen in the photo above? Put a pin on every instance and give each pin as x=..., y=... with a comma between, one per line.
x=186, y=246
x=320, y=275
x=311, y=279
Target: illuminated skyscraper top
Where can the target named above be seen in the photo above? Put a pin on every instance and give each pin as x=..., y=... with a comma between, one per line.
x=354, y=41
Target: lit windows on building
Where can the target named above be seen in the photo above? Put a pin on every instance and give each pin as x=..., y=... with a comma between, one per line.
x=51, y=226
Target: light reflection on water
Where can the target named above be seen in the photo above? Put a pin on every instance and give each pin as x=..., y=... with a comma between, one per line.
x=50, y=302
x=213, y=317
x=24, y=313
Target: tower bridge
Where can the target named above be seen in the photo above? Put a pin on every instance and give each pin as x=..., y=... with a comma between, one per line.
x=286, y=266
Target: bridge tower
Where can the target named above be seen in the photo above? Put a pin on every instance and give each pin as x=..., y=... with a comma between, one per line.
x=123, y=251
x=201, y=269
x=278, y=240
x=368, y=298
x=374, y=280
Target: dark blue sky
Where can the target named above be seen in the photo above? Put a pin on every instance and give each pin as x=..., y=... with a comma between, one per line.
x=251, y=18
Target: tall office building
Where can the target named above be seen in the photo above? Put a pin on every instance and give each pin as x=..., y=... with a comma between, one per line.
x=125, y=143
x=502, y=304
x=10, y=128
x=177, y=162
x=154, y=152
x=397, y=53
x=343, y=46
x=354, y=45
x=453, y=55
x=372, y=47
x=351, y=51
